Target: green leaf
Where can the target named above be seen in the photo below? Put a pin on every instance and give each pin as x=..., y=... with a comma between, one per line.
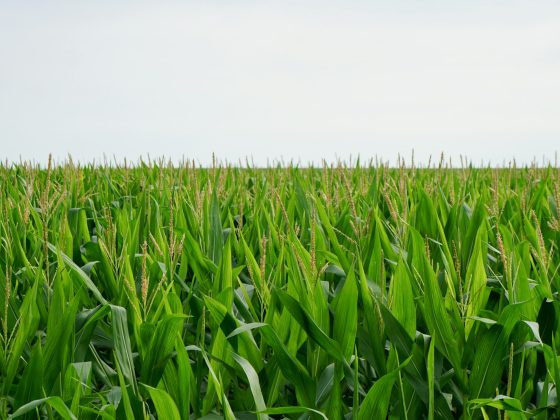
x=293, y=410
x=401, y=299
x=431, y=379
x=160, y=348
x=164, y=404
x=254, y=384
x=122, y=349
x=31, y=384
x=29, y=321
x=311, y=328
x=346, y=316
x=476, y=277
x=216, y=234
x=55, y=402
x=84, y=278
x=489, y=355
x=376, y=402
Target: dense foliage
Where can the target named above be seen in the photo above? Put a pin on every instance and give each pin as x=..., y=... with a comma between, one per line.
x=335, y=292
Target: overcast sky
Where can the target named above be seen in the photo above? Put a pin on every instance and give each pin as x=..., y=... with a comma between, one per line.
x=301, y=80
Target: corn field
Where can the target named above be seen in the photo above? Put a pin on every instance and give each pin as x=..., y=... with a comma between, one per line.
x=336, y=292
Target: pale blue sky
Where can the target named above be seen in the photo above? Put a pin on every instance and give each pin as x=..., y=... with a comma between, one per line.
x=300, y=80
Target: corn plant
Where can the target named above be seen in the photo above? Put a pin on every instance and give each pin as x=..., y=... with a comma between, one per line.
x=340, y=292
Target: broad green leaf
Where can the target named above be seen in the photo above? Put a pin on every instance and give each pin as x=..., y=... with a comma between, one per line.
x=376, y=403
x=310, y=327
x=164, y=404
x=254, y=384
x=122, y=348
x=476, y=277
x=489, y=359
x=346, y=316
x=160, y=348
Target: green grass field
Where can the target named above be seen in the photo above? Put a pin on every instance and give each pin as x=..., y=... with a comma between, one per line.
x=343, y=293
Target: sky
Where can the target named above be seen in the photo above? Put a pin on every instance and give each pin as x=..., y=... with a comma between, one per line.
x=270, y=80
